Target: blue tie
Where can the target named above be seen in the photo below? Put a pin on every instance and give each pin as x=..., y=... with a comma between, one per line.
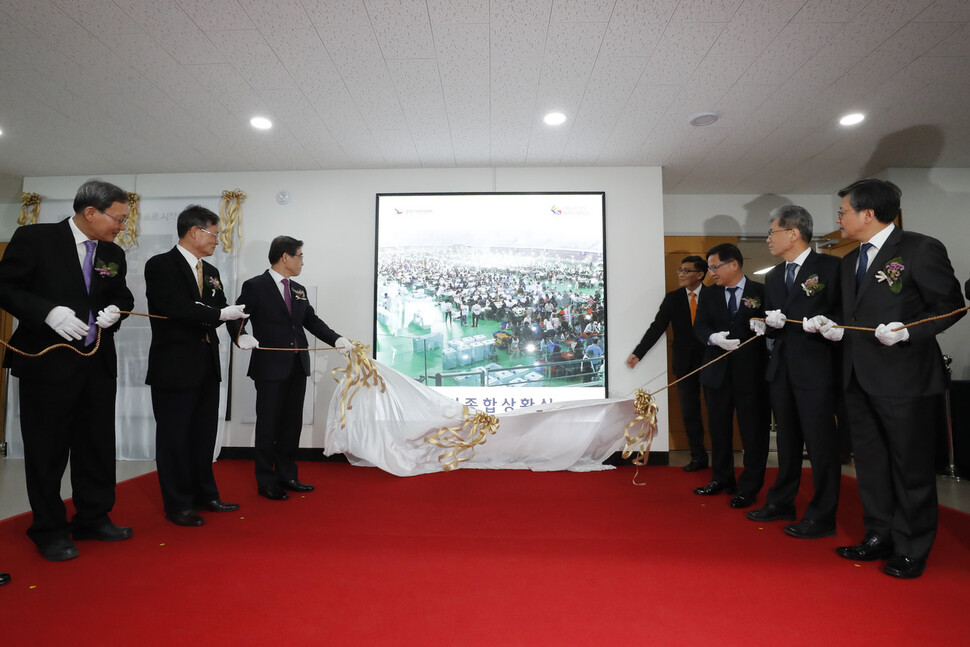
x=790, y=275
x=860, y=272
x=733, y=302
x=87, y=268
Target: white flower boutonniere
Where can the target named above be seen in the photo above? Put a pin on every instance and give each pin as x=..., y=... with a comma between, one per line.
x=299, y=295
x=812, y=286
x=892, y=274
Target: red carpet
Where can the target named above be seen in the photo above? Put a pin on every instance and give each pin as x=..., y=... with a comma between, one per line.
x=476, y=558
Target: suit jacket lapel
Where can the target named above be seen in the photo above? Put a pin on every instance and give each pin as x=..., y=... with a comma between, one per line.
x=188, y=273
x=804, y=271
x=68, y=251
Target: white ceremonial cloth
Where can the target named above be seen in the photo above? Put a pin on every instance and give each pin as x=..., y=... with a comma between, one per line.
x=387, y=430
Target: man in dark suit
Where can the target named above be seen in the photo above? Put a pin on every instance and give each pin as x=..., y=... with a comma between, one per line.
x=183, y=366
x=802, y=374
x=893, y=379
x=280, y=312
x=678, y=310
x=64, y=281
x=735, y=384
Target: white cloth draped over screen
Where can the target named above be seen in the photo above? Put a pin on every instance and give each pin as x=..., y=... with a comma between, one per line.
x=134, y=420
x=388, y=430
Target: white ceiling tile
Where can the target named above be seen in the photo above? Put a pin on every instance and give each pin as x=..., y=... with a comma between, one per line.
x=957, y=44
x=445, y=12
x=212, y=15
x=462, y=53
x=636, y=27
x=706, y=11
x=252, y=58
x=830, y=10
x=946, y=11
x=584, y=11
x=402, y=27
x=467, y=106
x=101, y=19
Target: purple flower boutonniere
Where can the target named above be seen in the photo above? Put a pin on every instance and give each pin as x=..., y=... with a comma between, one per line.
x=811, y=286
x=751, y=302
x=892, y=274
x=214, y=284
x=107, y=270
x=299, y=295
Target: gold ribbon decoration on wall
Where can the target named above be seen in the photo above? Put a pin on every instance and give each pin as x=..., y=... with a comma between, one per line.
x=646, y=409
x=361, y=371
x=477, y=428
x=129, y=237
x=230, y=217
x=29, y=208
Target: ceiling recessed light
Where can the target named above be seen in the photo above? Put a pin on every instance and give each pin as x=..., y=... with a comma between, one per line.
x=852, y=119
x=262, y=123
x=703, y=119
x=554, y=118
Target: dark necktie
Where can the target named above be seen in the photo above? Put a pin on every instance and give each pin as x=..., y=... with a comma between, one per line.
x=733, y=302
x=790, y=275
x=286, y=295
x=860, y=272
x=88, y=269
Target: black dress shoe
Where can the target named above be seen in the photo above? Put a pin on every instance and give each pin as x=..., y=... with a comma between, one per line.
x=107, y=532
x=810, y=529
x=871, y=548
x=695, y=466
x=773, y=512
x=58, y=550
x=273, y=492
x=742, y=500
x=296, y=486
x=185, y=518
x=4, y=578
x=715, y=487
x=904, y=567
x=217, y=505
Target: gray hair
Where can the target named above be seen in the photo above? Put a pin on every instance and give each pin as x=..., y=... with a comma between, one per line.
x=98, y=194
x=792, y=216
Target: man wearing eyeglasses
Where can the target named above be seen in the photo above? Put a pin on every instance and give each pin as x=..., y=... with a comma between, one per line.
x=677, y=311
x=734, y=384
x=64, y=282
x=184, y=371
x=893, y=378
x=280, y=313
x=802, y=374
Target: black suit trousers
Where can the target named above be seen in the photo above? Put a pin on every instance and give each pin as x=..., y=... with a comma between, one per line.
x=753, y=423
x=894, y=456
x=186, y=425
x=689, y=392
x=279, y=422
x=806, y=416
x=72, y=420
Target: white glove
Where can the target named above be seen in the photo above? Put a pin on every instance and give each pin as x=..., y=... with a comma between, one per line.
x=247, y=342
x=721, y=339
x=232, y=312
x=886, y=335
x=344, y=346
x=757, y=326
x=108, y=317
x=62, y=320
x=810, y=325
x=828, y=329
x=775, y=318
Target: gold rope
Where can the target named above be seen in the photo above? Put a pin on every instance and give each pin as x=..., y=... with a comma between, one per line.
x=361, y=371
x=646, y=410
x=29, y=208
x=94, y=349
x=909, y=325
x=230, y=217
x=129, y=237
x=477, y=426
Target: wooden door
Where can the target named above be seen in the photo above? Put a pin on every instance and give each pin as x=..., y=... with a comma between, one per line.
x=675, y=249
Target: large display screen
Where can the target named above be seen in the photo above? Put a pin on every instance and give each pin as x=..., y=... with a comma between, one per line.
x=495, y=299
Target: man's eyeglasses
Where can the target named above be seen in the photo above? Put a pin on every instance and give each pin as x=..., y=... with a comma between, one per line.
x=686, y=271
x=214, y=235
x=839, y=215
x=122, y=221
x=715, y=268
x=775, y=231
